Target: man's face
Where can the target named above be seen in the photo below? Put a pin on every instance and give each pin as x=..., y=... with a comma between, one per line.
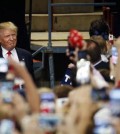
x=8, y=39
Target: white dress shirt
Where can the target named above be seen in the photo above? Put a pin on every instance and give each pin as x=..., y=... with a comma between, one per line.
x=13, y=54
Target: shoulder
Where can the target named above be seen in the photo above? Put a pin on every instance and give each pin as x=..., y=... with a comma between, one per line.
x=20, y=50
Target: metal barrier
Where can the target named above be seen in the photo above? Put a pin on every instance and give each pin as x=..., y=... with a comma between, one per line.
x=38, y=66
x=83, y=4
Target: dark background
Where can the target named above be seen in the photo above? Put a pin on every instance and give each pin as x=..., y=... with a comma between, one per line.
x=14, y=10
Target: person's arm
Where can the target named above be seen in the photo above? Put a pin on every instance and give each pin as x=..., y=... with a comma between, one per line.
x=78, y=117
x=86, y=108
x=30, y=88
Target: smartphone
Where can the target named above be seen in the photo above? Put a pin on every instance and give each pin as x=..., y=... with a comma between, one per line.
x=99, y=94
x=48, y=120
x=83, y=71
x=3, y=65
x=114, y=103
x=6, y=90
x=48, y=123
x=6, y=126
x=47, y=102
x=114, y=53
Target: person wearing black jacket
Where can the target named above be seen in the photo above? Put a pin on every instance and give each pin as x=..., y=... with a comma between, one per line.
x=8, y=41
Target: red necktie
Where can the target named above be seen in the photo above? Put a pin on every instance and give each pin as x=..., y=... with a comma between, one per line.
x=9, y=53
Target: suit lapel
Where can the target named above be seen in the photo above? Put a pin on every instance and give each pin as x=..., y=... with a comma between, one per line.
x=20, y=55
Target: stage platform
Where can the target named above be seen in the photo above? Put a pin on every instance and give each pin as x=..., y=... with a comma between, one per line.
x=59, y=40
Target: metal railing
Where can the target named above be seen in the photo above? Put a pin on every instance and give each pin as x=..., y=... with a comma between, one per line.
x=29, y=23
x=51, y=66
x=49, y=48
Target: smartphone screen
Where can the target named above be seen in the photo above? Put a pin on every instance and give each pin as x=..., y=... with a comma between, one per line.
x=6, y=90
x=83, y=71
x=114, y=103
x=3, y=65
x=114, y=53
x=48, y=119
x=47, y=96
x=6, y=126
x=47, y=102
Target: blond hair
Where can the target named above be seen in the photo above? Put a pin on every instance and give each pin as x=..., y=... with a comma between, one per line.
x=8, y=25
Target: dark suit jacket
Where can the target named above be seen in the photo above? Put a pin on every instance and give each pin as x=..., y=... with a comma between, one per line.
x=25, y=56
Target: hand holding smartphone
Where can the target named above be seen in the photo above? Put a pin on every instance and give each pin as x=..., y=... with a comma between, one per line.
x=3, y=68
x=6, y=86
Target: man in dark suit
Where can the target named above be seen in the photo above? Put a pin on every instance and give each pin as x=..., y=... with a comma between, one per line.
x=8, y=41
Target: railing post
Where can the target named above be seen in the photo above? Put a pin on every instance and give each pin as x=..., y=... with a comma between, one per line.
x=50, y=51
x=30, y=20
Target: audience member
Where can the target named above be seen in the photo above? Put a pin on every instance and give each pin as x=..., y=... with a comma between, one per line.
x=102, y=43
x=62, y=91
x=8, y=41
x=94, y=51
x=100, y=27
x=99, y=32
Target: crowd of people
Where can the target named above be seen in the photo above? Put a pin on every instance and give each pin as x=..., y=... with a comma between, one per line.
x=87, y=100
